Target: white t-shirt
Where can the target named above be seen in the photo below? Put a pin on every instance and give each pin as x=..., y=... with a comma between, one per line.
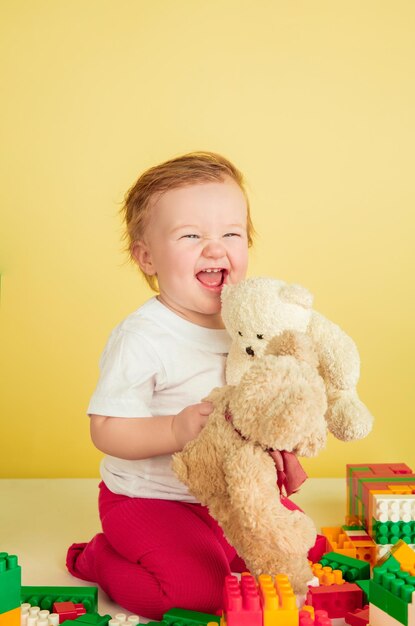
x=155, y=363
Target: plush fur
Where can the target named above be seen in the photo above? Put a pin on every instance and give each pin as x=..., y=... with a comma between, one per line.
x=257, y=309
x=278, y=403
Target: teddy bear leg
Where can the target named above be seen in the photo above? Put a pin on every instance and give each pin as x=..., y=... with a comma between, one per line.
x=270, y=538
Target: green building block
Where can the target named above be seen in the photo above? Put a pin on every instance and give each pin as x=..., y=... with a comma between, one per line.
x=387, y=533
x=88, y=619
x=391, y=589
x=93, y=619
x=46, y=596
x=364, y=586
x=179, y=617
x=10, y=582
x=352, y=569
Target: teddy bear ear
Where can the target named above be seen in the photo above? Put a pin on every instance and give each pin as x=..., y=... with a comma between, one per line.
x=296, y=294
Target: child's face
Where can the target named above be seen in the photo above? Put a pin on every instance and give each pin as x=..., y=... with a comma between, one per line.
x=196, y=242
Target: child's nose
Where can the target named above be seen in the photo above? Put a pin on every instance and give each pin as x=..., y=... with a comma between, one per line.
x=214, y=249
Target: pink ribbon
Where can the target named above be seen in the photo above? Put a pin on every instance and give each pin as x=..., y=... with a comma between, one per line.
x=290, y=474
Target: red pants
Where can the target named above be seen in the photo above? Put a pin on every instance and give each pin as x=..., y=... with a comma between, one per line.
x=154, y=555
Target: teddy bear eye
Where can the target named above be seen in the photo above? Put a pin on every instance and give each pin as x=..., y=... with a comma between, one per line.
x=239, y=333
x=260, y=336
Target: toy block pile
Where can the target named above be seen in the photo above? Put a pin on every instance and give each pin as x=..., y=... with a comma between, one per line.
x=381, y=499
x=366, y=575
x=380, y=511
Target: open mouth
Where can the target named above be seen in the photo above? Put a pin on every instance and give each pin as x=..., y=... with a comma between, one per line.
x=212, y=278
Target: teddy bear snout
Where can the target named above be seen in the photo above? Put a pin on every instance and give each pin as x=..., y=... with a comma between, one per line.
x=249, y=351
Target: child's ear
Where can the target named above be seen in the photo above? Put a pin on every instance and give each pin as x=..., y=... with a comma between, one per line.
x=142, y=255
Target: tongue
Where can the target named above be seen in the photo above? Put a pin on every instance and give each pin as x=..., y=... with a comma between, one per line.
x=210, y=279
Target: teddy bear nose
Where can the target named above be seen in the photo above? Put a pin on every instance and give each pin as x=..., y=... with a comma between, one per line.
x=249, y=351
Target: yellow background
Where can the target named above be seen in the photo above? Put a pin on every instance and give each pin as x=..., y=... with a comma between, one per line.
x=313, y=100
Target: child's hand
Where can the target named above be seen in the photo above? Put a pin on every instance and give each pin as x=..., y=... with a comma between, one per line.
x=187, y=424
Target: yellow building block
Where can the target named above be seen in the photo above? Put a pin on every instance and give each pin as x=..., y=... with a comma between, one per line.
x=278, y=601
x=326, y=575
x=405, y=556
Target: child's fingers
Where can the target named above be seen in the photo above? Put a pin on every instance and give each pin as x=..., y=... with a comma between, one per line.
x=205, y=408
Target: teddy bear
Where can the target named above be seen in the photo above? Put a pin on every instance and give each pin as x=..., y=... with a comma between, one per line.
x=245, y=458
x=258, y=308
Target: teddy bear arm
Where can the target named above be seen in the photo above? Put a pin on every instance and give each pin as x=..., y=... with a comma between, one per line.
x=199, y=464
x=347, y=417
x=237, y=363
x=338, y=355
x=219, y=396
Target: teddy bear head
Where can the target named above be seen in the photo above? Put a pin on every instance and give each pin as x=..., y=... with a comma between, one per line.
x=257, y=309
x=280, y=401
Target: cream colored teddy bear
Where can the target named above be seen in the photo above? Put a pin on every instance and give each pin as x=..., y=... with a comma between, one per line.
x=275, y=411
x=257, y=309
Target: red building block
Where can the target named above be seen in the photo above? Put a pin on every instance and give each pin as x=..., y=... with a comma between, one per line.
x=318, y=550
x=242, y=606
x=360, y=617
x=68, y=610
x=320, y=619
x=337, y=600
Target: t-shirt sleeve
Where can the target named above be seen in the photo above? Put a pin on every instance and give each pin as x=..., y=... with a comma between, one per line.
x=130, y=370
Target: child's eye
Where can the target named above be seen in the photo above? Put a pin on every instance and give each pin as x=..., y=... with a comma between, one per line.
x=190, y=236
x=232, y=235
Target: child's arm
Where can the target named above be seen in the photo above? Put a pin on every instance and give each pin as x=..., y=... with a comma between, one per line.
x=143, y=437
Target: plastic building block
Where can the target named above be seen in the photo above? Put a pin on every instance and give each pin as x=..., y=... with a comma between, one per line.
x=318, y=550
x=52, y=619
x=394, y=508
x=392, y=590
x=380, y=618
x=44, y=597
x=387, y=533
x=10, y=582
x=278, y=601
x=182, y=617
x=327, y=575
x=364, y=481
x=355, y=543
x=364, y=586
x=10, y=618
x=271, y=602
x=352, y=569
x=337, y=541
x=68, y=610
x=319, y=618
x=242, y=606
x=405, y=556
x=337, y=600
x=359, y=617
x=94, y=619
x=35, y=616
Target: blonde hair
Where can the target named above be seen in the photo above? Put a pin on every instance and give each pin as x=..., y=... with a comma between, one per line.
x=195, y=167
